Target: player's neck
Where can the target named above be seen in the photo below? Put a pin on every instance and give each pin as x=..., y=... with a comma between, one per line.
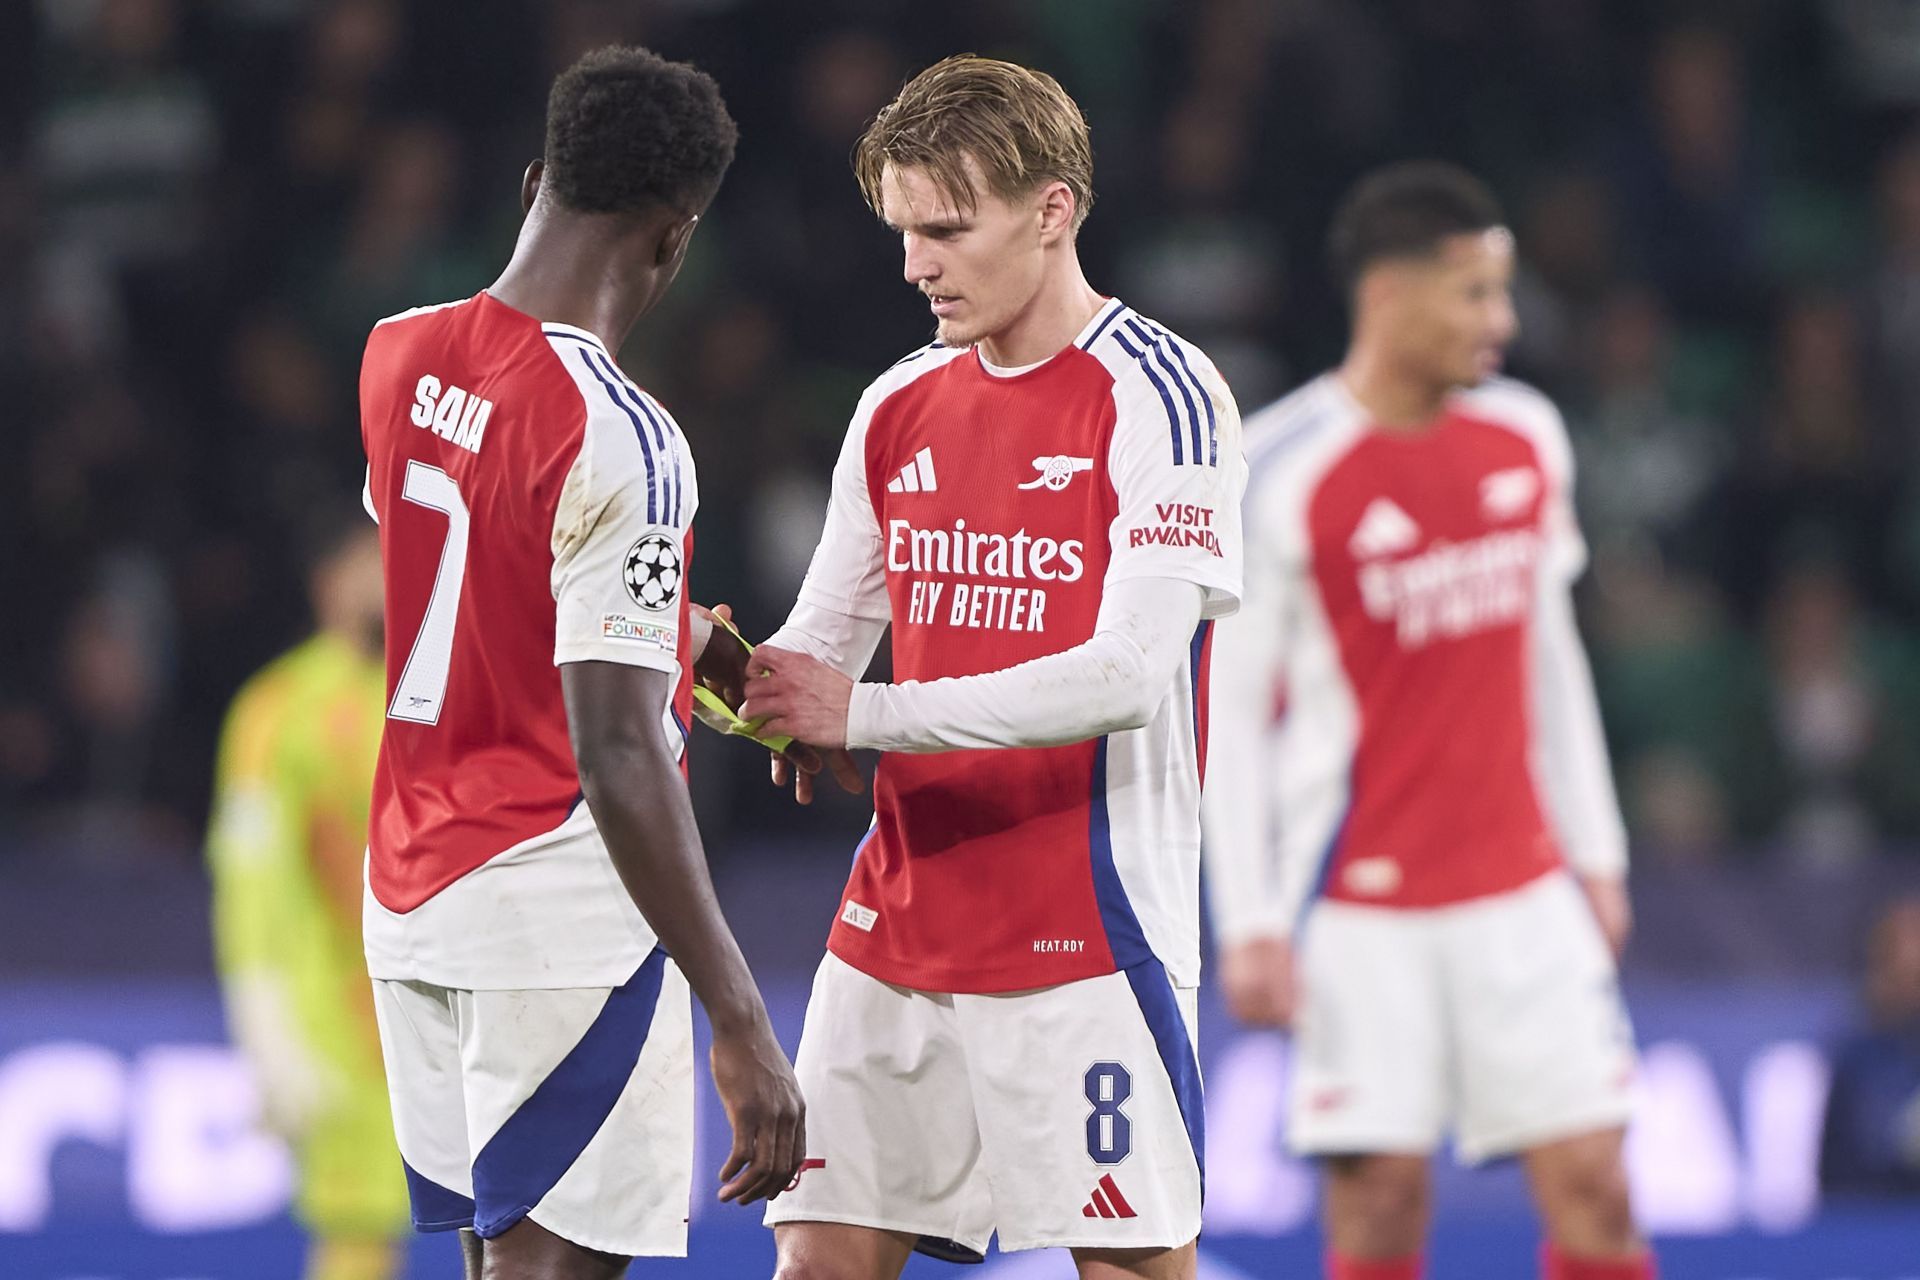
x=1394, y=398
x=1060, y=309
x=562, y=273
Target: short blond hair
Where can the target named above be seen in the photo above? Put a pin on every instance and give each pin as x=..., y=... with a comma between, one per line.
x=1017, y=124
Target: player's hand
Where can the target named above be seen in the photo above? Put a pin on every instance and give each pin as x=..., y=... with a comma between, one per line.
x=722, y=665
x=1607, y=895
x=1258, y=979
x=797, y=695
x=801, y=764
x=769, y=1119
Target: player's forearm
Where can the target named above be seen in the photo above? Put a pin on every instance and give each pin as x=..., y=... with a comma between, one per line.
x=1243, y=892
x=1237, y=804
x=641, y=808
x=699, y=631
x=639, y=802
x=1571, y=749
x=1112, y=682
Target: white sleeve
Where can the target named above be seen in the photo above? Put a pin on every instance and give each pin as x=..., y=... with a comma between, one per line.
x=366, y=496
x=841, y=640
x=1110, y=683
x=1570, y=748
x=619, y=543
x=1178, y=471
x=1238, y=805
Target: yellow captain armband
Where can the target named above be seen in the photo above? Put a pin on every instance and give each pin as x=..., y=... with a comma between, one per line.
x=718, y=716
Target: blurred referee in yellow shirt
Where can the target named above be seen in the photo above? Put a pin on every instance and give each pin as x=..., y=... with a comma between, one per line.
x=287, y=840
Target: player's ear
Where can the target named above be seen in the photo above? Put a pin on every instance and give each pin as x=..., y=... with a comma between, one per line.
x=673, y=245
x=530, y=184
x=1379, y=286
x=1056, y=212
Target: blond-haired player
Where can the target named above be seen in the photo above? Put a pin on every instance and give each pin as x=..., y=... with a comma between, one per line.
x=1043, y=503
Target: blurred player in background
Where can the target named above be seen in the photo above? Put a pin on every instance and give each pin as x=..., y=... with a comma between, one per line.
x=1870, y=1137
x=1044, y=505
x=534, y=860
x=1423, y=868
x=286, y=846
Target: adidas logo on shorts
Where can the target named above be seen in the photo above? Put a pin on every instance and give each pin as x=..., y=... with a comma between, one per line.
x=1107, y=1202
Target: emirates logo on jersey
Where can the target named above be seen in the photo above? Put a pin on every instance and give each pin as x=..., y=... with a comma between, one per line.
x=961, y=552
x=976, y=553
x=1453, y=589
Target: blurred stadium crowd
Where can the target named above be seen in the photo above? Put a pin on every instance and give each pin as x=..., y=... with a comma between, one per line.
x=204, y=206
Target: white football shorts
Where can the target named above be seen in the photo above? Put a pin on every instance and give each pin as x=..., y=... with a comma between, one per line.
x=1501, y=1016
x=1068, y=1116
x=571, y=1106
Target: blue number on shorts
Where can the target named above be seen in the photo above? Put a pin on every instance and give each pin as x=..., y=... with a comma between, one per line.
x=1109, y=1132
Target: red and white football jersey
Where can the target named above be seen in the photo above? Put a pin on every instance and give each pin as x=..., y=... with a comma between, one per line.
x=535, y=509
x=1408, y=635
x=984, y=513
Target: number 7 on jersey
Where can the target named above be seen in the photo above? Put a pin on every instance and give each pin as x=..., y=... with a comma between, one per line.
x=422, y=687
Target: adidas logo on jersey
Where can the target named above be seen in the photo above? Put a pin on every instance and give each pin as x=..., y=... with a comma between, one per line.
x=1107, y=1202
x=1384, y=530
x=917, y=476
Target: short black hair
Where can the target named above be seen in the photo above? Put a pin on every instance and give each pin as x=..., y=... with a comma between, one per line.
x=1405, y=211
x=629, y=131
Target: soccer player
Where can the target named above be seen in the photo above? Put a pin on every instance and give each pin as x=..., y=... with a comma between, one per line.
x=1432, y=828
x=1043, y=503
x=285, y=849
x=536, y=886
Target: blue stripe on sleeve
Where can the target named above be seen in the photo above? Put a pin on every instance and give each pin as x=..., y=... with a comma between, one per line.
x=639, y=433
x=1157, y=348
x=1166, y=397
x=1118, y=308
x=1199, y=389
x=658, y=417
x=631, y=399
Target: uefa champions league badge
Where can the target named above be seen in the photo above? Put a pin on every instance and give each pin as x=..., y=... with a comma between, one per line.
x=653, y=572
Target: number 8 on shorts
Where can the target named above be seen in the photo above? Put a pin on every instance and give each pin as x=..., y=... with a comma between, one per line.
x=1109, y=1132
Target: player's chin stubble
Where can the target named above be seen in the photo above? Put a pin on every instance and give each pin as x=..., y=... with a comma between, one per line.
x=952, y=334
